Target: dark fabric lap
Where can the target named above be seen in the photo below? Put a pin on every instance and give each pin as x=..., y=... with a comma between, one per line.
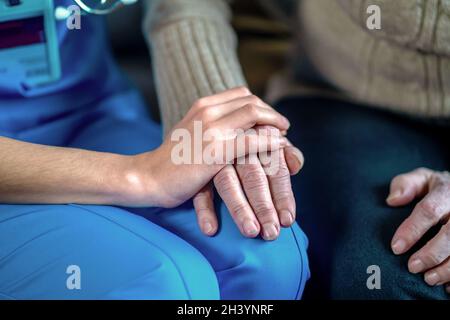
x=352, y=152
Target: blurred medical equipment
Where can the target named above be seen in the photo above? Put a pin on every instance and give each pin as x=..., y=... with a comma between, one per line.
x=29, y=52
x=28, y=43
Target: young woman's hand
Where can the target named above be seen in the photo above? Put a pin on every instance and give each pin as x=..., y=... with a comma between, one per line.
x=163, y=181
x=33, y=173
x=434, y=258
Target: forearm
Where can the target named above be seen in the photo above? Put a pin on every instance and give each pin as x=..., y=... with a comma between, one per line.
x=194, y=52
x=31, y=173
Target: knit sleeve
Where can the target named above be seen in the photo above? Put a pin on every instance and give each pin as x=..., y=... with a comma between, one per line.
x=193, y=49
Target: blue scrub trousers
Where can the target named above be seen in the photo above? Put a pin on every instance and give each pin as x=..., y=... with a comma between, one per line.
x=147, y=253
x=121, y=253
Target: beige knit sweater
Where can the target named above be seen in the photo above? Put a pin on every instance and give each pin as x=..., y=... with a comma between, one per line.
x=405, y=66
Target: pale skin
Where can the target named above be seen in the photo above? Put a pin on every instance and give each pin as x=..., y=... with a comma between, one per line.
x=433, y=259
x=32, y=173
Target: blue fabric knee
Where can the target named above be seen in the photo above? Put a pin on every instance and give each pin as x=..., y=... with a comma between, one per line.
x=119, y=256
x=246, y=268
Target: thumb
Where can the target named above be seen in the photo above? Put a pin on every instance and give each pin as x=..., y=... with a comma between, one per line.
x=407, y=186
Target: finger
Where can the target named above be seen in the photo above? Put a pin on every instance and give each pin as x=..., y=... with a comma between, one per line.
x=439, y=275
x=256, y=187
x=214, y=112
x=242, y=101
x=294, y=159
x=226, y=149
x=427, y=213
x=279, y=179
x=433, y=253
x=224, y=96
x=229, y=188
x=204, y=208
x=405, y=187
x=251, y=115
x=253, y=143
x=292, y=155
x=447, y=288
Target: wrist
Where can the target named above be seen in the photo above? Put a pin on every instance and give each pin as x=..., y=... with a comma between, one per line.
x=135, y=185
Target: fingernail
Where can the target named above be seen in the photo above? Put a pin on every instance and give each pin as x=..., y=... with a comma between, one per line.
x=250, y=228
x=396, y=194
x=287, y=122
x=432, y=278
x=207, y=227
x=416, y=266
x=270, y=231
x=399, y=246
x=286, y=218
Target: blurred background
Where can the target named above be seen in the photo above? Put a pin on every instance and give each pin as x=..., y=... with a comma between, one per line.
x=262, y=27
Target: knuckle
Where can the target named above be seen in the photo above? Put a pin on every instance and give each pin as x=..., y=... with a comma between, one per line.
x=422, y=170
x=252, y=175
x=197, y=105
x=446, y=188
x=443, y=184
x=203, y=212
x=446, y=270
x=413, y=232
x=254, y=100
x=224, y=180
x=437, y=179
x=263, y=209
x=208, y=113
x=446, y=230
x=446, y=176
x=207, y=125
x=201, y=201
x=400, y=179
x=433, y=258
x=282, y=176
x=429, y=210
x=201, y=102
x=252, y=110
x=238, y=209
x=244, y=90
x=283, y=196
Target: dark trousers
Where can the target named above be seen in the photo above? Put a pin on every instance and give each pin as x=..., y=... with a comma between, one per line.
x=352, y=152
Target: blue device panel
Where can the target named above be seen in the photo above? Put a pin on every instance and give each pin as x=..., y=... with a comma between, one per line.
x=28, y=42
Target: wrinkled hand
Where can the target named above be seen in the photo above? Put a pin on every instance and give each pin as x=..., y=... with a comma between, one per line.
x=434, y=258
x=259, y=203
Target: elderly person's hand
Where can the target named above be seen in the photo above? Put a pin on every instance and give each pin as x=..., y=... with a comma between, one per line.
x=259, y=203
x=434, y=258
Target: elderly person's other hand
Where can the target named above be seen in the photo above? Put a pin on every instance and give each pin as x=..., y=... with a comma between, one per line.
x=434, y=258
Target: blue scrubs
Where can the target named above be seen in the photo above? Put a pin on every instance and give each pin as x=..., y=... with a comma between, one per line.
x=122, y=253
